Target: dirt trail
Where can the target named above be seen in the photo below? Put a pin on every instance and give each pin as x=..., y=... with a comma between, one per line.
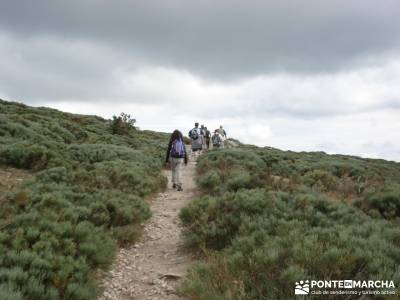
x=154, y=267
x=11, y=179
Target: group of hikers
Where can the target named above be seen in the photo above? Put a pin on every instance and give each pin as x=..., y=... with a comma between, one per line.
x=201, y=137
x=201, y=140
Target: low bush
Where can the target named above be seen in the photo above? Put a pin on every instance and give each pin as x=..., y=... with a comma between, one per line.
x=86, y=198
x=211, y=181
x=122, y=124
x=321, y=180
x=25, y=155
x=269, y=240
x=214, y=221
x=385, y=204
x=261, y=227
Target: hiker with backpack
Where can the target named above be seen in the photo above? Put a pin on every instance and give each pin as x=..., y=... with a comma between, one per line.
x=208, y=137
x=217, y=140
x=176, y=155
x=203, y=137
x=223, y=136
x=196, y=141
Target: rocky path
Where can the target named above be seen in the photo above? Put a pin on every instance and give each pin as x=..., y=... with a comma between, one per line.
x=154, y=267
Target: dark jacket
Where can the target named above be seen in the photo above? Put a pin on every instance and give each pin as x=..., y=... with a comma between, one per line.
x=208, y=135
x=169, y=152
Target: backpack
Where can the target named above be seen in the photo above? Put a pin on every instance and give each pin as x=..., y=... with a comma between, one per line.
x=177, y=148
x=216, y=140
x=194, y=134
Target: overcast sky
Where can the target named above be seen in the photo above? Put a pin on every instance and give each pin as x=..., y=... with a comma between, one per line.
x=296, y=75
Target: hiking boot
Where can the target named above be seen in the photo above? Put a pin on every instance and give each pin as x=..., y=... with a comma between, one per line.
x=179, y=189
x=174, y=186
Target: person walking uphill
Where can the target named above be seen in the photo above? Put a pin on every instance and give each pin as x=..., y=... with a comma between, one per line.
x=203, y=137
x=223, y=136
x=208, y=137
x=216, y=140
x=195, y=136
x=176, y=152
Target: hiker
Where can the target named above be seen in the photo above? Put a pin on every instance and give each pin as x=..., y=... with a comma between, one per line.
x=203, y=137
x=177, y=154
x=223, y=136
x=222, y=132
x=195, y=136
x=216, y=140
x=208, y=137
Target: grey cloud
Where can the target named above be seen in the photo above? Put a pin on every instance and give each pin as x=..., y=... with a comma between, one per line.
x=221, y=39
x=313, y=71
x=49, y=68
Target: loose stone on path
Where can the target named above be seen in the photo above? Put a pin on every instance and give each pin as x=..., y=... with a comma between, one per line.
x=155, y=266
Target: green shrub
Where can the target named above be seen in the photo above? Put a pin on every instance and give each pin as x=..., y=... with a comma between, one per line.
x=257, y=240
x=66, y=221
x=24, y=155
x=122, y=124
x=215, y=221
x=126, y=234
x=211, y=181
x=270, y=240
x=321, y=180
x=239, y=180
x=226, y=160
x=385, y=204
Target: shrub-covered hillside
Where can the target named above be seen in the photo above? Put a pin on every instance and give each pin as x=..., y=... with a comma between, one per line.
x=269, y=218
x=87, y=195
